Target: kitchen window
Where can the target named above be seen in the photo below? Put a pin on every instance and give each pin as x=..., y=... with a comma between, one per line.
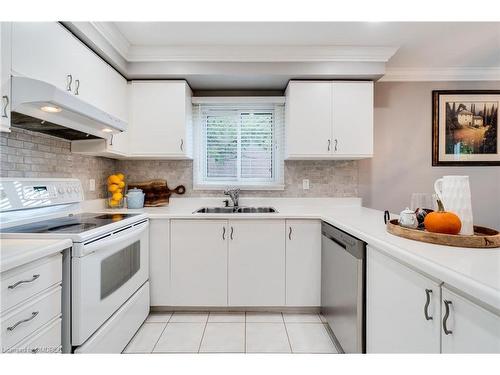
x=238, y=144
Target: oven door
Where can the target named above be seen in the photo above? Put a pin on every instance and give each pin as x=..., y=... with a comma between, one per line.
x=114, y=269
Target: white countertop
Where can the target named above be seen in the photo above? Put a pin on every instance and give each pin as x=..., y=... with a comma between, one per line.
x=475, y=272
x=16, y=252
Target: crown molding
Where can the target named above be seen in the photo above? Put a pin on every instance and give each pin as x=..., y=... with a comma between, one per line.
x=259, y=53
x=113, y=36
x=440, y=74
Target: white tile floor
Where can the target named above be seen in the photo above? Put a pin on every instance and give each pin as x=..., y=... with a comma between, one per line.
x=249, y=332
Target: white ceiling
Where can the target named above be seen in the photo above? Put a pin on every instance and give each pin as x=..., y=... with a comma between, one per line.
x=421, y=44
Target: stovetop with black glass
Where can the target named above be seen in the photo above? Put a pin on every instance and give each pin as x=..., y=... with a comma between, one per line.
x=71, y=224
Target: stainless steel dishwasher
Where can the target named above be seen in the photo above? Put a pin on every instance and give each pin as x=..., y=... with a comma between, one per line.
x=343, y=299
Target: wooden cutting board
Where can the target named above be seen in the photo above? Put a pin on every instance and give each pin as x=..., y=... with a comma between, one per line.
x=157, y=193
x=481, y=239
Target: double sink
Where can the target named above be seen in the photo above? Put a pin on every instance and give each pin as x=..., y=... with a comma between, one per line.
x=235, y=210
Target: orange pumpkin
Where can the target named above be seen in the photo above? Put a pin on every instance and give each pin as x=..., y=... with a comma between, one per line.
x=442, y=221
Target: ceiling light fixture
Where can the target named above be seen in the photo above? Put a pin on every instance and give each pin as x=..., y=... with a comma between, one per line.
x=107, y=130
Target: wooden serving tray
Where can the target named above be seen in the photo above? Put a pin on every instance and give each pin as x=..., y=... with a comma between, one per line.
x=482, y=238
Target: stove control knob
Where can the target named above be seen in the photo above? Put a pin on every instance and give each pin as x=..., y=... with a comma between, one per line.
x=75, y=189
x=68, y=189
x=60, y=190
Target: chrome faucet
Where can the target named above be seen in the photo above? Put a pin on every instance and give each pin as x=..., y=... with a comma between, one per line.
x=234, y=194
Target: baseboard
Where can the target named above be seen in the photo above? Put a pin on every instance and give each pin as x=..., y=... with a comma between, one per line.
x=283, y=309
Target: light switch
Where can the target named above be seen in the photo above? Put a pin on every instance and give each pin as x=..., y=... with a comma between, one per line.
x=91, y=184
x=305, y=184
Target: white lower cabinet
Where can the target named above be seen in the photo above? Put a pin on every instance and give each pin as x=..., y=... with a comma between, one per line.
x=399, y=320
x=256, y=263
x=407, y=312
x=303, y=262
x=159, y=262
x=199, y=262
x=469, y=327
x=221, y=263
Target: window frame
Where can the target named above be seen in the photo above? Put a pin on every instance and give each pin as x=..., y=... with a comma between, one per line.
x=200, y=179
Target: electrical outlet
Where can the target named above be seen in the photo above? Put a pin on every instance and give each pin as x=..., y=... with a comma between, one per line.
x=305, y=184
x=91, y=184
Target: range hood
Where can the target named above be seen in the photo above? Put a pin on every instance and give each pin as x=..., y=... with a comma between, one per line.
x=64, y=115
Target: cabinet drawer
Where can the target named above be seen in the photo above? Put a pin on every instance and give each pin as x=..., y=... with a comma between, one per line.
x=24, y=282
x=27, y=318
x=46, y=340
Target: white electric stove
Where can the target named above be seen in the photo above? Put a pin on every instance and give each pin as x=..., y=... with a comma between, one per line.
x=105, y=281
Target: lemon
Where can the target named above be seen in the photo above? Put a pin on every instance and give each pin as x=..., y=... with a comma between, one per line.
x=121, y=184
x=117, y=196
x=113, y=203
x=112, y=188
x=114, y=179
x=121, y=176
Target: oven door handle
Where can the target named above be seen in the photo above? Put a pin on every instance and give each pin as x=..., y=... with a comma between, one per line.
x=112, y=239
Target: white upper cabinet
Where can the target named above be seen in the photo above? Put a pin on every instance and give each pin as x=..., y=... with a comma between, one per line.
x=5, y=69
x=402, y=308
x=467, y=327
x=352, y=119
x=308, y=122
x=329, y=120
x=160, y=119
x=48, y=52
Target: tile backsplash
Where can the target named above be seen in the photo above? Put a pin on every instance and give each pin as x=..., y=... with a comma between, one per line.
x=29, y=154
x=327, y=178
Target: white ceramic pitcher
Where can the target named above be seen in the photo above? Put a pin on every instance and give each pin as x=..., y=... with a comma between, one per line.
x=454, y=193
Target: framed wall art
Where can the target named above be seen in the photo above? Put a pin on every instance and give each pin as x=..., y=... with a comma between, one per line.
x=465, y=127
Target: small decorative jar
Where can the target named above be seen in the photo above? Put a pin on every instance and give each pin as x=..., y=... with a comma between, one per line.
x=408, y=219
x=135, y=198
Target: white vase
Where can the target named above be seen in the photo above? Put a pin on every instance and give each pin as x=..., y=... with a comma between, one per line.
x=454, y=193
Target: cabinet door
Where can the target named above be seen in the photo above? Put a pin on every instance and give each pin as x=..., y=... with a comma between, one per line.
x=160, y=118
x=352, y=119
x=303, y=263
x=396, y=307
x=256, y=269
x=45, y=51
x=308, y=119
x=5, y=68
x=159, y=262
x=199, y=262
x=470, y=328
x=100, y=85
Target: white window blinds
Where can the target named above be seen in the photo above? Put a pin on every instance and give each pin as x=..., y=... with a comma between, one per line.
x=239, y=145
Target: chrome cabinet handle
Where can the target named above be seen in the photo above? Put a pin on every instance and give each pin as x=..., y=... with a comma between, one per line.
x=290, y=233
x=224, y=233
x=77, y=86
x=182, y=144
x=335, y=146
x=69, y=81
x=446, y=316
x=24, y=281
x=329, y=144
x=5, y=100
x=36, y=350
x=33, y=315
x=231, y=234
x=428, y=293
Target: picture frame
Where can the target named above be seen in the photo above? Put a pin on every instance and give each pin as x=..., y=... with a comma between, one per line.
x=465, y=128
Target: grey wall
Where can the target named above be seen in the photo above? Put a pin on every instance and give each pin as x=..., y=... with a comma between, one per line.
x=403, y=163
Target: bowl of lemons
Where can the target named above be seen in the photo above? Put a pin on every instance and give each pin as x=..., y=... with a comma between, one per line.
x=116, y=190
